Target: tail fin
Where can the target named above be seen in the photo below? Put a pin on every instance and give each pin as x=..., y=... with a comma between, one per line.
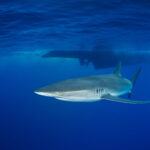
x=117, y=70
x=134, y=78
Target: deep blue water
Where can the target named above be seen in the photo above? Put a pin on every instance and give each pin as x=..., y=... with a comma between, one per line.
x=30, y=28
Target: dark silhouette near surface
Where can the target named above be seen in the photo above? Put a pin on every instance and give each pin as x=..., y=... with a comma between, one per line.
x=101, y=59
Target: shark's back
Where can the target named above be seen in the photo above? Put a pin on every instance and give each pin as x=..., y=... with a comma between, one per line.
x=108, y=81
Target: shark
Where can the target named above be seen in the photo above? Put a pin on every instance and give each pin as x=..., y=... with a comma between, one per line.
x=94, y=88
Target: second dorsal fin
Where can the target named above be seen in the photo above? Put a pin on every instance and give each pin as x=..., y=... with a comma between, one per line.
x=117, y=70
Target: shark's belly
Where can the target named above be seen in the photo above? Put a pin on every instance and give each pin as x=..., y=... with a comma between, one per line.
x=79, y=96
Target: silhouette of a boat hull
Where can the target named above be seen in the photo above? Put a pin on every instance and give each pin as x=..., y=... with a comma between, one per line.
x=101, y=59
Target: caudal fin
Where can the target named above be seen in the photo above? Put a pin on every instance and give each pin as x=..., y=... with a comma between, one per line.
x=134, y=78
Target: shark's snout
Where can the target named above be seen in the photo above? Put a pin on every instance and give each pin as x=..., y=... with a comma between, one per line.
x=45, y=93
x=40, y=93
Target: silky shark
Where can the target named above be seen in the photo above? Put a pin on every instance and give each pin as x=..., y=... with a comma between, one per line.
x=93, y=88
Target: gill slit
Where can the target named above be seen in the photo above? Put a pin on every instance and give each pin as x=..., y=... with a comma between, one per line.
x=99, y=92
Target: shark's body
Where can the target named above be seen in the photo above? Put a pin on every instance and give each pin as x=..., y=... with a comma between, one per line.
x=92, y=88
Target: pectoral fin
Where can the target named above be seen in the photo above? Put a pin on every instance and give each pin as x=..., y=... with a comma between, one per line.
x=122, y=100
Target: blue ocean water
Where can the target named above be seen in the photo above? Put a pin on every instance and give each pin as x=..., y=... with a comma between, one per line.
x=28, y=29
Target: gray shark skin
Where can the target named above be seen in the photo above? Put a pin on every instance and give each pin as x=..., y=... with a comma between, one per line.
x=93, y=88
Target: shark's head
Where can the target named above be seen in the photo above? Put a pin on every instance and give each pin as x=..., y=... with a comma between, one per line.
x=70, y=94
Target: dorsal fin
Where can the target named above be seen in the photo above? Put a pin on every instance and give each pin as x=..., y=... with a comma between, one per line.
x=117, y=70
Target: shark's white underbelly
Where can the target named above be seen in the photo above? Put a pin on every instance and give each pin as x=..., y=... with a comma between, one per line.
x=81, y=95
